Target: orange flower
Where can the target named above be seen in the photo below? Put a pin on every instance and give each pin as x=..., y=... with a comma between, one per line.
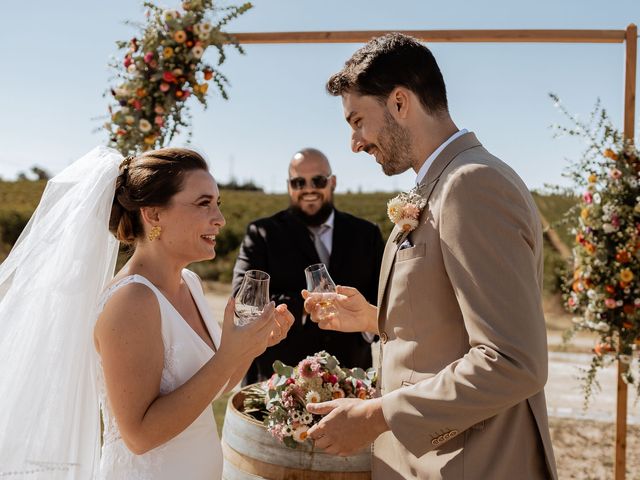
x=208, y=74
x=150, y=139
x=141, y=92
x=626, y=275
x=577, y=287
x=589, y=247
x=180, y=36
x=593, y=178
x=628, y=324
x=602, y=348
x=610, y=154
x=610, y=289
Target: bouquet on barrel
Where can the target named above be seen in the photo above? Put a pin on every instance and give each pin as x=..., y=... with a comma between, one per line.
x=281, y=401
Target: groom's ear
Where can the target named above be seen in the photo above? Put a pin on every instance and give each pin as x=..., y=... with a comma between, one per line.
x=399, y=102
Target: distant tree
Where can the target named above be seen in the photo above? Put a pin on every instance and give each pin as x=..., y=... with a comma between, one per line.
x=248, y=186
x=40, y=173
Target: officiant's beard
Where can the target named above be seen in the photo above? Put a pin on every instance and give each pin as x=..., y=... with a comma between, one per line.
x=394, y=147
x=315, y=219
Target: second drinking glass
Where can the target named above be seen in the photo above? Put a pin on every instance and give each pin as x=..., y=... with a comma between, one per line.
x=252, y=297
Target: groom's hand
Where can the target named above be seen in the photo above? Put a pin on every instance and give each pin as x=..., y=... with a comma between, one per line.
x=353, y=312
x=349, y=424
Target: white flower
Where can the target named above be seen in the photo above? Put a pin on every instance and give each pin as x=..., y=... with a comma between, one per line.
x=300, y=433
x=626, y=359
x=407, y=224
x=312, y=397
x=131, y=68
x=170, y=15
x=608, y=228
x=144, y=125
x=306, y=418
x=601, y=327
x=394, y=209
x=591, y=293
x=205, y=27
x=597, y=198
x=295, y=416
x=197, y=51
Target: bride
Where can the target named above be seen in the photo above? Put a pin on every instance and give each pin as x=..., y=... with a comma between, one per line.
x=161, y=357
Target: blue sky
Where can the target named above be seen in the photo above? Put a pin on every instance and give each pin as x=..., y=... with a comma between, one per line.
x=54, y=72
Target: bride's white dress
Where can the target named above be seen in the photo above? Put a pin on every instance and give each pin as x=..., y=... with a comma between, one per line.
x=196, y=452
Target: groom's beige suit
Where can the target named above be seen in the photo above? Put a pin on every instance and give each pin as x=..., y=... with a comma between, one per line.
x=463, y=341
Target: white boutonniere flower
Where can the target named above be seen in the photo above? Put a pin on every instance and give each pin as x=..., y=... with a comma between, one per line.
x=404, y=211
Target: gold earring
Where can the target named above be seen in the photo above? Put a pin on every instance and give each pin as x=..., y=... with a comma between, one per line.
x=155, y=233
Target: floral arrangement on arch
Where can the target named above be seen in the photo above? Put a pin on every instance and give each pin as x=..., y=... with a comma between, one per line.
x=603, y=287
x=281, y=401
x=162, y=68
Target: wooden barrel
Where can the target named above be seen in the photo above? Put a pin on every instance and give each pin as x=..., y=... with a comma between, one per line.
x=251, y=453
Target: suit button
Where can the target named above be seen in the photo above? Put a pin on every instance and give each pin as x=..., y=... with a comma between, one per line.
x=384, y=337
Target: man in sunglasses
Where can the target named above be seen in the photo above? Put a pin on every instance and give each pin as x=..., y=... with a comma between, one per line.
x=311, y=231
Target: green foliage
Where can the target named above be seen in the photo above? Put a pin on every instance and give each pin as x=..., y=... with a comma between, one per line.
x=18, y=200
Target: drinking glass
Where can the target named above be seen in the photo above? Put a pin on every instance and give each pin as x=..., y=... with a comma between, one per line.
x=319, y=283
x=252, y=297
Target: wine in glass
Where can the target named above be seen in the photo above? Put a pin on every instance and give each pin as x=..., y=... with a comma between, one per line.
x=320, y=284
x=252, y=297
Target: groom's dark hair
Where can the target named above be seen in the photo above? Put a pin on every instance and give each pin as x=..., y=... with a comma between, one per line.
x=390, y=61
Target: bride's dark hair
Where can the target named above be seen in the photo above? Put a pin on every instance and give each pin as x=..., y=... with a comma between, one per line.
x=148, y=180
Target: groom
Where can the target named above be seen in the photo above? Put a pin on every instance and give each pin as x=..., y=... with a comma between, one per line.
x=463, y=343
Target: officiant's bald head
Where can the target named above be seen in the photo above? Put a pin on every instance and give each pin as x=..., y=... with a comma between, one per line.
x=311, y=185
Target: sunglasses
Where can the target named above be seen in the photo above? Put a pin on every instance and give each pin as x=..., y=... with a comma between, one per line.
x=317, y=181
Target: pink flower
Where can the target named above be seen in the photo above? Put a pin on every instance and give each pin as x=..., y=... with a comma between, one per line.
x=127, y=61
x=615, y=173
x=309, y=368
x=411, y=211
x=164, y=87
x=588, y=198
x=615, y=221
x=148, y=57
x=610, y=303
x=159, y=121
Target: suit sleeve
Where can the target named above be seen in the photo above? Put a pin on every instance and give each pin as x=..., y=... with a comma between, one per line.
x=252, y=255
x=490, y=241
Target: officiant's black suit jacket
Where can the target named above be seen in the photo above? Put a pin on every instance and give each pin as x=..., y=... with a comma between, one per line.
x=281, y=245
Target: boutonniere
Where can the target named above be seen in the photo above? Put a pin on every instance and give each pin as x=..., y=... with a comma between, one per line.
x=404, y=211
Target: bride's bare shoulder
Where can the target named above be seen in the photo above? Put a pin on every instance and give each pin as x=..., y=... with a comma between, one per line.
x=132, y=310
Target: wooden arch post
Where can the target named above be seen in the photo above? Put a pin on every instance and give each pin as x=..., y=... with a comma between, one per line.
x=629, y=37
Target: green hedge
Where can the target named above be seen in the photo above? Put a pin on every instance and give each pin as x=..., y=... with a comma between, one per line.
x=19, y=199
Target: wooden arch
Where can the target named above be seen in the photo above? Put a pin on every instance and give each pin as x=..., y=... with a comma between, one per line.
x=629, y=37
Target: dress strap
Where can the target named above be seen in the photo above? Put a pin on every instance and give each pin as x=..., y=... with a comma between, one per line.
x=108, y=293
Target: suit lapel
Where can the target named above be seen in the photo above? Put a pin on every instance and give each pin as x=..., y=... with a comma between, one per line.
x=301, y=238
x=425, y=189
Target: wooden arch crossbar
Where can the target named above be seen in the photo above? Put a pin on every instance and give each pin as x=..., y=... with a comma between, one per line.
x=629, y=37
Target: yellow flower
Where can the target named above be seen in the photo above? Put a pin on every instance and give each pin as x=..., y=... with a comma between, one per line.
x=202, y=88
x=592, y=178
x=180, y=36
x=168, y=52
x=150, y=139
x=584, y=213
x=626, y=275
